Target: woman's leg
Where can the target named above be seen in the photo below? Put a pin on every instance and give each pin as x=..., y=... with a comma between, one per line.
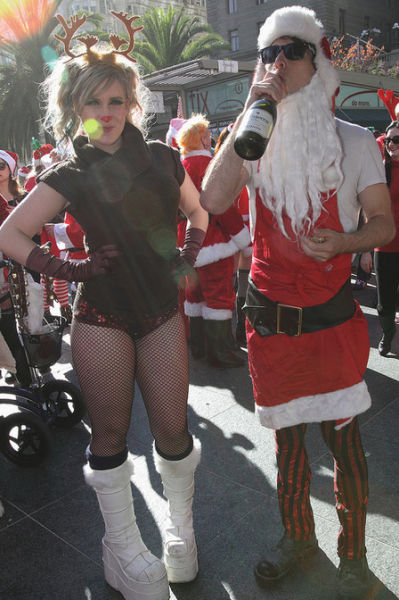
x=162, y=374
x=104, y=359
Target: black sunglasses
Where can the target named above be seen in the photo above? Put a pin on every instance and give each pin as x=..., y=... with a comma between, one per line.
x=394, y=139
x=3, y=165
x=293, y=51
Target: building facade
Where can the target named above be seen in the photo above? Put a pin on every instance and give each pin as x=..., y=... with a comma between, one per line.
x=238, y=21
x=132, y=7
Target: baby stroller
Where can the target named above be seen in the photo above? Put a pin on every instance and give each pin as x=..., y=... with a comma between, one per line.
x=27, y=414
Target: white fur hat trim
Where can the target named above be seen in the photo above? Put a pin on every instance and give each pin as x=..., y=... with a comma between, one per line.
x=301, y=22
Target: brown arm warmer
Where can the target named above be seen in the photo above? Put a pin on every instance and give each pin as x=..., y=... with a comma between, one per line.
x=192, y=244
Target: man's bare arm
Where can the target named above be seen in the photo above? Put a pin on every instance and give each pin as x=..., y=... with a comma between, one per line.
x=378, y=229
x=224, y=178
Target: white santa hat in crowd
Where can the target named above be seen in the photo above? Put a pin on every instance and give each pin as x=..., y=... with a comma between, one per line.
x=174, y=127
x=302, y=23
x=11, y=159
x=24, y=171
x=41, y=156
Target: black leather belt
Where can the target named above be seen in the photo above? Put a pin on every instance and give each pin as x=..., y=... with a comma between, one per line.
x=272, y=318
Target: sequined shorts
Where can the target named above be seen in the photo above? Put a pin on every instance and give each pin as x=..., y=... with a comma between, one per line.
x=84, y=312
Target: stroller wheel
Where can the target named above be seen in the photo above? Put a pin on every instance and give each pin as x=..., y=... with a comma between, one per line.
x=24, y=439
x=64, y=402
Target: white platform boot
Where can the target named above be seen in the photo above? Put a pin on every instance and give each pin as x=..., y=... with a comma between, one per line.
x=180, y=549
x=129, y=566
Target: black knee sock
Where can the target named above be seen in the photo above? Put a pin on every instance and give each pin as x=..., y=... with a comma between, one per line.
x=102, y=463
x=177, y=456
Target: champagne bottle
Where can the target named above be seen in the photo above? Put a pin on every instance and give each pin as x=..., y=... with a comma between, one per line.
x=256, y=129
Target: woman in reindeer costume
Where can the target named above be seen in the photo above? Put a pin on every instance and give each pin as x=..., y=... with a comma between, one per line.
x=125, y=194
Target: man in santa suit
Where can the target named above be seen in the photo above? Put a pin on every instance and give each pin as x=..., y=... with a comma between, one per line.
x=210, y=298
x=307, y=339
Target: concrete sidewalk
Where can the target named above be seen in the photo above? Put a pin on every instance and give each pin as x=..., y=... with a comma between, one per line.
x=50, y=535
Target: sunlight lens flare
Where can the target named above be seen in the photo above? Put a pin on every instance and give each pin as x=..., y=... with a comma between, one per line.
x=21, y=19
x=49, y=56
x=93, y=129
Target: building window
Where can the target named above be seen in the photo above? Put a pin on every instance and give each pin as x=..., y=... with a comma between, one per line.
x=341, y=20
x=232, y=6
x=261, y=2
x=234, y=40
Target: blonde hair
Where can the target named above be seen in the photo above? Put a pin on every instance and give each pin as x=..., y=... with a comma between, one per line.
x=189, y=136
x=72, y=82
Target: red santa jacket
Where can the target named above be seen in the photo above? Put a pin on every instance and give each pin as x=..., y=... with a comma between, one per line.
x=70, y=236
x=227, y=233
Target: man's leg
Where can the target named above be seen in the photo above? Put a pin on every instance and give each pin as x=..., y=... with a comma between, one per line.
x=293, y=482
x=351, y=492
x=293, y=488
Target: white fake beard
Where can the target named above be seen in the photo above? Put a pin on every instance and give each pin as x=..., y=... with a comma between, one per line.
x=302, y=159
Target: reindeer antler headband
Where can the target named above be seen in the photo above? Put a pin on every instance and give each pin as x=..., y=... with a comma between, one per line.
x=91, y=40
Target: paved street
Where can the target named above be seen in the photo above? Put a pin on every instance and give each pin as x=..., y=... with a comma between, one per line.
x=50, y=534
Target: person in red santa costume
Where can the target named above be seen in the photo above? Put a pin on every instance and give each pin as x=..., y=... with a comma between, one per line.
x=68, y=238
x=243, y=261
x=43, y=157
x=307, y=338
x=41, y=160
x=174, y=126
x=210, y=297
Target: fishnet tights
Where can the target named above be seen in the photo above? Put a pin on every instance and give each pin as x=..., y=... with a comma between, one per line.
x=108, y=362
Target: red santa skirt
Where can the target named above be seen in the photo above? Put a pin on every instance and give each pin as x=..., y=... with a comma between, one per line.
x=316, y=376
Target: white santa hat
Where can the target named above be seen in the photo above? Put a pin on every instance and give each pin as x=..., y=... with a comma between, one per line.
x=41, y=156
x=11, y=158
x=302, y=23
x=174, y=126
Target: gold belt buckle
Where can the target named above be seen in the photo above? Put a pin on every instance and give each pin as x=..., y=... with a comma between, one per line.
x=279, y=318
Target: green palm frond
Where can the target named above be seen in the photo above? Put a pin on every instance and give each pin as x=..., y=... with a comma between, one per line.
x=170, y=36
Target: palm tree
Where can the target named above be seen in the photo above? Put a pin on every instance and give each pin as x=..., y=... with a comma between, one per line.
x=171, y=37
x=28, y=48
x=24, y=37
